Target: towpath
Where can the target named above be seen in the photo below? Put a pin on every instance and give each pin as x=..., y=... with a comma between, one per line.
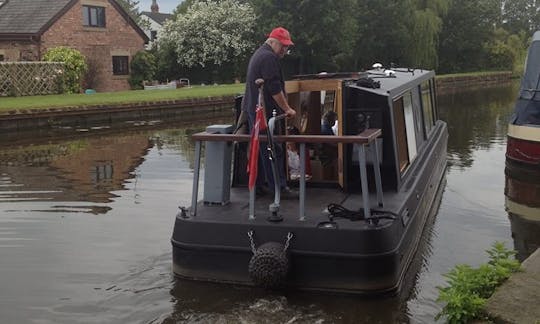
x=518, y=299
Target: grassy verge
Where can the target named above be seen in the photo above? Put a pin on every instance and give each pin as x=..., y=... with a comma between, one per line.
x=122, y=97
x=469, y=74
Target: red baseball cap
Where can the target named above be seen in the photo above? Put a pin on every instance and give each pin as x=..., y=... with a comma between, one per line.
x=282, y=35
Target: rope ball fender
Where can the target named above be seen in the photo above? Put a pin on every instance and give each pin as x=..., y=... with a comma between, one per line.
x=269, y=264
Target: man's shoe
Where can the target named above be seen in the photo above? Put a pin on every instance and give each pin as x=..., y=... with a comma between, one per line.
x=288, y=193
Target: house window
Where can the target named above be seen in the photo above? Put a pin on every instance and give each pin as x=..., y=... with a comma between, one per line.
x=153, y=35
x=93, y=16
x=2, y=58
x=120, y=65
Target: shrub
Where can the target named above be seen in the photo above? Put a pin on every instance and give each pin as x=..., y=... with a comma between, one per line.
x=74, y=64
x=469, y=287
x=143, y=67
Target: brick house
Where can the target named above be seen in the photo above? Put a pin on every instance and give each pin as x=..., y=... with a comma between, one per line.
x=100, y=29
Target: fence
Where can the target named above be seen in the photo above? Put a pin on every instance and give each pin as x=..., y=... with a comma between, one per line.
x=31, y=78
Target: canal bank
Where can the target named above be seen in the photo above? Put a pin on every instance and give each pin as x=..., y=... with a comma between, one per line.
x=516, y=301
x=88, y=116
x=184, y=109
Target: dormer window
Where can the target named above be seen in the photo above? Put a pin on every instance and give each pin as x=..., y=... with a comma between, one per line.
x=93, y=16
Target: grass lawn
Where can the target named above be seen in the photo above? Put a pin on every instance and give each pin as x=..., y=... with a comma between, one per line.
x=468, y=74
x=122, y=97
x=104, y=98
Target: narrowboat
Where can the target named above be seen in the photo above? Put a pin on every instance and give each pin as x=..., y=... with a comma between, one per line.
x=364, y=192
x=523, y=145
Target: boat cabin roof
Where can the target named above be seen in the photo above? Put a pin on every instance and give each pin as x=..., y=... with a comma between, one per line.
x=397, y=81
x=390, y=82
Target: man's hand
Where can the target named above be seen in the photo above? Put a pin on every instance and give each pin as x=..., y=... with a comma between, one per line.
x=284, y=105
x=290, y=113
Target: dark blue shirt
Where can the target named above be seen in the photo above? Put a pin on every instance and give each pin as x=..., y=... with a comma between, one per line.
x=326, y=129
x=264, y=63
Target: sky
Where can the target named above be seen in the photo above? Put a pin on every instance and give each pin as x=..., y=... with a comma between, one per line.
x=165, y=6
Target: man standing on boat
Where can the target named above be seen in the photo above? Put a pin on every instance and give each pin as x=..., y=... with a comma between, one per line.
x=264, y=64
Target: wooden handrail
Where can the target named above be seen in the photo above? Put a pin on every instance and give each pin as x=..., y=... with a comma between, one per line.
x=365, y=137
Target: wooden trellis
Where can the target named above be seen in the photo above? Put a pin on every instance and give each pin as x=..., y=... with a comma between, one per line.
x=31, y=78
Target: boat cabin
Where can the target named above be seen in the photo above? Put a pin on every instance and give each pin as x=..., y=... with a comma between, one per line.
x=401, y=103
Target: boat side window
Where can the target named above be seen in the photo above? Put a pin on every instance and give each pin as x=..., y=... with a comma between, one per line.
x=409, y=125
x=401, y=134
x=404, y=126
x=427, y=105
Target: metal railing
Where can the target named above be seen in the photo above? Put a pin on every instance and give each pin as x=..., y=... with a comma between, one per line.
x=363, y=140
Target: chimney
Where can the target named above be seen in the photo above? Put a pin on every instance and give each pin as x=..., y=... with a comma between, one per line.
x=154, y=7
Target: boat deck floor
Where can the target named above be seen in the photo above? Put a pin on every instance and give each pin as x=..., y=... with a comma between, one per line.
x=316, y=203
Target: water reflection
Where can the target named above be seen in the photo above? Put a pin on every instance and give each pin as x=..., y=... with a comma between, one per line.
x=522, y=191
x=87, y=168
x=477, y=120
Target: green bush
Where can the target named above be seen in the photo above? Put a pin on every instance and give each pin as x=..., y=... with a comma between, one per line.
x=143, y=67
x=469, y=288
x=74, y=64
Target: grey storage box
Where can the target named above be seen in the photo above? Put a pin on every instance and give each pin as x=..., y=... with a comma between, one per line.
x=217, y=170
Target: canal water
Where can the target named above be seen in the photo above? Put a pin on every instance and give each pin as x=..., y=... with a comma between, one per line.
x=86, y=216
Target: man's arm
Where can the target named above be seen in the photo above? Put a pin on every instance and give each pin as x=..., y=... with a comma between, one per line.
x=284, y=105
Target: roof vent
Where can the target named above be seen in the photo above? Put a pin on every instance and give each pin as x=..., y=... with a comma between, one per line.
x=377, y=66
x=389, y=73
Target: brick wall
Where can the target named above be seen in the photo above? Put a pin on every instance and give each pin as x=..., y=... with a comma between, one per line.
x=98, y=45
x=19, y=51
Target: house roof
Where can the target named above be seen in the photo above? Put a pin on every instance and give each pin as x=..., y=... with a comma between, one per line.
x=29, y=16
x=24, y=18
x=157, y=16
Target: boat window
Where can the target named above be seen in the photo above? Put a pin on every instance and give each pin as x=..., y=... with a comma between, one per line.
x=401, y=134
x=404, y=126
x=427, y=106
x=409, y=125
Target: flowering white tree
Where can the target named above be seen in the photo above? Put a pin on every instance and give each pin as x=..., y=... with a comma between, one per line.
x=211, y=32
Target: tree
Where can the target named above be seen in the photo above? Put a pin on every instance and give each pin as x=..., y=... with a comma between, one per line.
x=384, y=32
x=212, y=33
x=132, y=8
x=426, y=26
x=143, y=68
x=519, y=15
x=467, y=26
x=323, y=31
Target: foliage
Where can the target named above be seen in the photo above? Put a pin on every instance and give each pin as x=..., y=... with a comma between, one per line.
x=467, y=26
x=211, y=33
x=507, y=50
x=323, y=31
x=384, y=33
x=520, y=15
x=470, y=287
x=75, y=66
x=143, y=67
x=451, y=36
x=426, y=26
x=132, y=8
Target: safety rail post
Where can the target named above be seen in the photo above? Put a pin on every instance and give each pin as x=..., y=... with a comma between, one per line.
x=363, y=179
x=377, y=170
x=302, y=215
x=196, y=173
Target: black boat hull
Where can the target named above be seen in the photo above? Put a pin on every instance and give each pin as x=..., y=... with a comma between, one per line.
x=355, y=257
